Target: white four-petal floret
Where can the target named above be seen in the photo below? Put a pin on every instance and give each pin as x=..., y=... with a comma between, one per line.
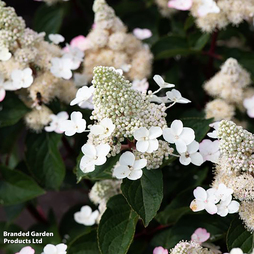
x=86, y=216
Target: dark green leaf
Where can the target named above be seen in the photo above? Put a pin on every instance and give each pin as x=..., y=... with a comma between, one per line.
x=44, y=160
x=202, y=41
x=170, y=46
x=239, y=237
x=85, y=244
x=12, y=110
x=117, y=227
x=49, y=19
x=145, y=194
x=16, y=187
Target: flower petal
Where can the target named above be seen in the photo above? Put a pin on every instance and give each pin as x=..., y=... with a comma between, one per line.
x=187, y=135
x=135, y=174
x=155, y=132
x=121, y=172
x=196, y=159
x=200, y=194
x=139, y=164
x=177, y=127
x=127, y=159
x=142, y=146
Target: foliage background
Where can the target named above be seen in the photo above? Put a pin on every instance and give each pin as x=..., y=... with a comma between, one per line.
x=35, y=164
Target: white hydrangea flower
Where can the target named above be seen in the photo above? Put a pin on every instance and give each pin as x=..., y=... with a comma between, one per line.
x=142, y=34
x=214, y=133
x=57, y=122
x=26, y=250
x=56, y=38
x=155, y=98
x=210, y=150
x=227, y=207
x=223, y=192
x=176, y=97
x=147, y=139
x=22, y=78
x=208, y=6
x=191, y=155
x=129, y=167
x=75, y=55
x=236, y=251
x=86, y=216
x=82, y=96
x=61, y=67
x=5, y=55
x=55, y=249
x=80, y=80
x=75, y=125
x=204, y=200
x=103, y=129
x=93, y=156
x=182, y=5
x=161, y=83
x=179, y=135
x=5, y=86
x=249, y=105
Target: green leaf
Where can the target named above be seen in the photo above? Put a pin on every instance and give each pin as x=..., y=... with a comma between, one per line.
x=49, y=19
x=44, y=160
x=170, y=46
x=85, y=244
x=100, y=173
x=16, y=187
x=13, y=109
x=202, y=41
x=199, y=125
x=239, y=237
x=117, y=227
x=145, y=194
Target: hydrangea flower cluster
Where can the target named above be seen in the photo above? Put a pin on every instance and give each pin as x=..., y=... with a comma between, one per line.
x=235, y=166
x=211, y=15
x=126, y=119
x=37, y=70
x=228, y=87
x=111, y=45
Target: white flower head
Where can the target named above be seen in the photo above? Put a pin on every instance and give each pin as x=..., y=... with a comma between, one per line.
x=75, y=55
x=56, y=38
x=182, y=5
x=93, y=156
x=83, y=94
x=175, y=96
x=142, y=34
x=55, y=249
x=227, y=207
x=61, y=67
x=158, y=99
x=161, y=83
x=57, y=122
x=191, y=155
x=210, y=150
x=22, y=78
x=249, y=105
x=5, y=55
x=75, y=125
x=103, y=129
x=129, y=167
x=86, y=216
x=147, y=139
x=179, y=135
x=208, y=6
x=26, y=250
x=204, y=200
